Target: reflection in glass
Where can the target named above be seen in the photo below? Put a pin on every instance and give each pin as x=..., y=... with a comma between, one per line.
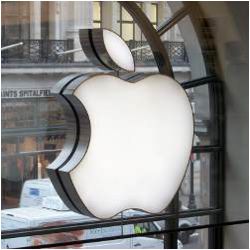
x=25, y=153
x=96, y=11
x=195, y=188
x=198, y=239
x=15, y=20
x=127, y=31
x=50, y=113
x=17, y=114
x=126, y=16
x=204, y=132
x=154, y=14
x=97, y=19
x=33, y=129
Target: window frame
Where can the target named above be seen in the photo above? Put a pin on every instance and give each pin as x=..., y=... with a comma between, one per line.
x=132, y=22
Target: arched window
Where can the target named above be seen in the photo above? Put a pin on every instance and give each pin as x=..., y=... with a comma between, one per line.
x=34, y=129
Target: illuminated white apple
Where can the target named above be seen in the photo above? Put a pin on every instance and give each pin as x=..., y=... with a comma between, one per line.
x=128, y=144
x=140, y=143
x=118, y=50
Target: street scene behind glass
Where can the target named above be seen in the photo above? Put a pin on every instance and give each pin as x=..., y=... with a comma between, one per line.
x=41, y=46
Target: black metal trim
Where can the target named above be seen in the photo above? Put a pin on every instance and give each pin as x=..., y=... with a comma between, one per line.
x=166, y=231
x=69, y=145
x=92, y=43
x=75, y=146
x=105, y=223
x=80, y=145
x=207, y=149
x=199, y=81
x=217, y=185
x=178, y=15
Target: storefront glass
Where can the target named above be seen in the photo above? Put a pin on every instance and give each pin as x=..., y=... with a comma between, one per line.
x=34, y=125
x=33, y=122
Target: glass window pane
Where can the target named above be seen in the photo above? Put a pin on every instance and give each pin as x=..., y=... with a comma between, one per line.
x=126, y=16
x=127, y=31
x=138, y=33
x=50, y=113
x=27, y=144
x=153, y=13
x=10, y=8
x=51, y=142
x=12, y=28
x=11, y=182
x=96, y=25
x=194, y=240
x=97, y=11
x=25, y=29
x=43, y=161
x=205, y=127
x=9, y=145
x=195, y=188
x=33, y=127
x=18, y=113
x=25, y=8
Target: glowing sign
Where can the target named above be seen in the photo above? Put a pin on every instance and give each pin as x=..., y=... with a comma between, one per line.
x=128, y=144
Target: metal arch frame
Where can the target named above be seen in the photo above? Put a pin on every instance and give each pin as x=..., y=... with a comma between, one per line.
x=154, y=41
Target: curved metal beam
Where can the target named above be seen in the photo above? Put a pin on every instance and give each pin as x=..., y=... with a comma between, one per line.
x=178, y=16
x=151, y=35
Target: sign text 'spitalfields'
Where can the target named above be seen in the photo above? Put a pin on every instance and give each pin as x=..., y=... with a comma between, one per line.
x=24, y=93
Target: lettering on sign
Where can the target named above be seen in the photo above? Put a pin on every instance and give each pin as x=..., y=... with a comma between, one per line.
x=27, y=93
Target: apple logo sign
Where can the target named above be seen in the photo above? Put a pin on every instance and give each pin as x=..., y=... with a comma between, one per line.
x=128, y=144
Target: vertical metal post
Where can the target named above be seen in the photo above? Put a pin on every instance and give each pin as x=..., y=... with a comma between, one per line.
x=191, y=201
x=170, y=239
x=217, y=164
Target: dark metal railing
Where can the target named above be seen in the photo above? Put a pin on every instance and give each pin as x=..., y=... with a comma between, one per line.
x=37, y=51
x=45, y=51
x=176, y=52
